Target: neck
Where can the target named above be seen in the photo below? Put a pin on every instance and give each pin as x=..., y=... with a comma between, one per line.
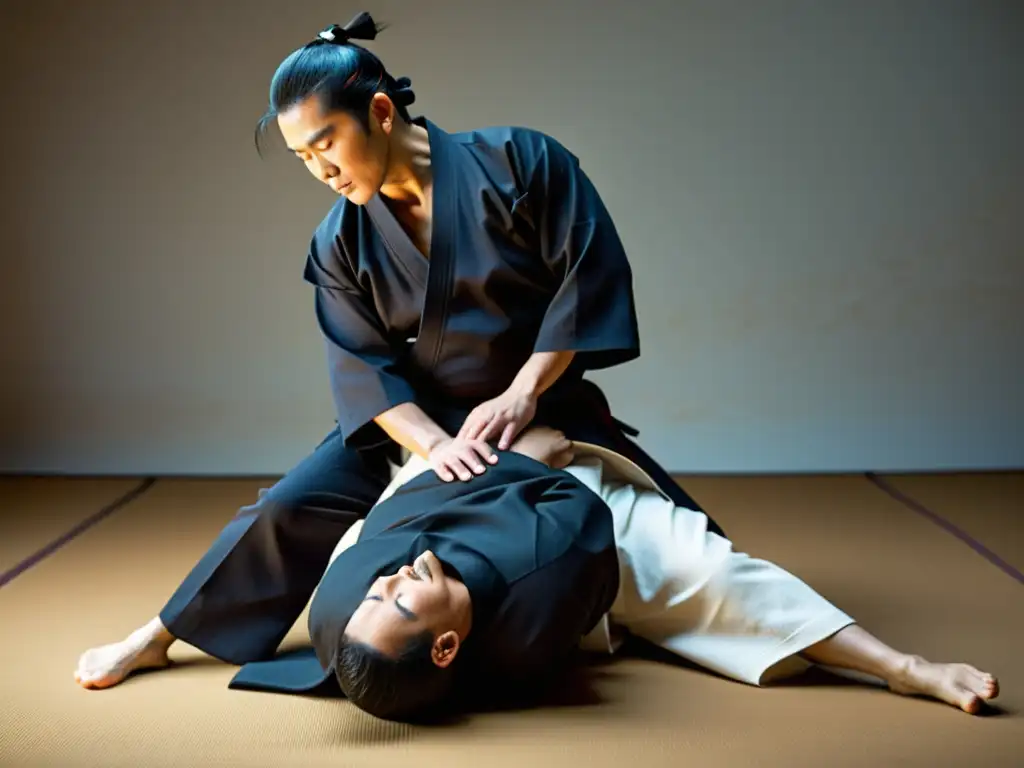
x=463, y=609
x=409, y=172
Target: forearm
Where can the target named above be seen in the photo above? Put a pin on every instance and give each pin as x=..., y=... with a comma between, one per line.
x=540, y=372
x=411, y=428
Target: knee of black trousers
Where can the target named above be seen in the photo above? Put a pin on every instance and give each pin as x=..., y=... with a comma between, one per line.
x=311, y=521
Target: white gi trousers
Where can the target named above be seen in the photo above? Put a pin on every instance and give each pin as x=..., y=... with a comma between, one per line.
x=683, y=588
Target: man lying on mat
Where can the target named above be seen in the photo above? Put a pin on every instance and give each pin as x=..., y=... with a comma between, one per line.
x=450, y=591
x=681, y=587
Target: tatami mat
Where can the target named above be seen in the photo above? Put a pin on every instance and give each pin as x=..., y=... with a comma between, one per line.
x=37, y=511
x=989, y=508
x=906, y=579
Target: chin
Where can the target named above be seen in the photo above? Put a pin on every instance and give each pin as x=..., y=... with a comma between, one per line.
x=357, y=197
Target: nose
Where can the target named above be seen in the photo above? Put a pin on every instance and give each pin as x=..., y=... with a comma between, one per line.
x=389, y=584
x=324, y=170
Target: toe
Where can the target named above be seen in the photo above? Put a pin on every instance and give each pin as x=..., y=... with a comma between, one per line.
x=984, y=684
x=991, y=688
x=970, y=703
x=95, y=683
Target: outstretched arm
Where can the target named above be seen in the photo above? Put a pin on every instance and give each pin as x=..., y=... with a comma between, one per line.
x=591, y=320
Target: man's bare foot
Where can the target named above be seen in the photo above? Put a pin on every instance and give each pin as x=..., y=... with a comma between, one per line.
x=108, y=665
x=548, y=446
x=961, y=685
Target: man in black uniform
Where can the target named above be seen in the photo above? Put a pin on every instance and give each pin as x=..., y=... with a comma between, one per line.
x=464, y=284
x=524, y=560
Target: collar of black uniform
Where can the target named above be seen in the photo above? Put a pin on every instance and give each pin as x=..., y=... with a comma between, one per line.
x=431, y=128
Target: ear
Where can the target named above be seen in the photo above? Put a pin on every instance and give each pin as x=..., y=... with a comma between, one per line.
x=445, y=649
x=382, y=111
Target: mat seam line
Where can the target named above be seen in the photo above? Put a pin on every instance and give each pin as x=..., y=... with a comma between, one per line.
x=41, y=554
x=915, y=506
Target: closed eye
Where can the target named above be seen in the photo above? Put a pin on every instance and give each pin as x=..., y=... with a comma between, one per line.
x=405, y=612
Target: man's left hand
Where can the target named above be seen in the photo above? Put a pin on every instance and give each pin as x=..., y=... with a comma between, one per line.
x=506, y=415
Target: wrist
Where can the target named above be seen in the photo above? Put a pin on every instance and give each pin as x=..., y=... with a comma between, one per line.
x=432, y=440
x=526, y=385
x=409, y=426
x=541, y=371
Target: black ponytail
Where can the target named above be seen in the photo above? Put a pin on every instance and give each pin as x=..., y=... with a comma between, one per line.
x=344, y=75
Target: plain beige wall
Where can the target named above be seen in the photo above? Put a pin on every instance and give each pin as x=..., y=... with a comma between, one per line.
x=822, y=202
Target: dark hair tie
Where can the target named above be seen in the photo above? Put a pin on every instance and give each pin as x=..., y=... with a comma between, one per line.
x=362, y=27
x=402, y=93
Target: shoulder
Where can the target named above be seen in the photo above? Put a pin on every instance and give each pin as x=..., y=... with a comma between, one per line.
x=548, y=610
x=517, y=135
x=526, y=148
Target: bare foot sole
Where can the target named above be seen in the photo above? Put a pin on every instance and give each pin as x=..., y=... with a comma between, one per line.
x=108, y=665
x=961, y=685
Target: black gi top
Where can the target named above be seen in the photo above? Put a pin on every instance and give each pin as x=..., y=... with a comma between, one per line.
x=534, y=546
x=523, y=258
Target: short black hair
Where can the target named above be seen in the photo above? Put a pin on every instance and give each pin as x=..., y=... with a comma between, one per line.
x=406, y=687
x=344, y=75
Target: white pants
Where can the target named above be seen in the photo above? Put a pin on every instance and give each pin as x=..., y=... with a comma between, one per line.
x=682, y=587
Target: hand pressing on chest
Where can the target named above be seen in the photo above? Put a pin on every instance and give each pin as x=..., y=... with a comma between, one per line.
x=508, y=414
x=502, y=418
x=460, y=457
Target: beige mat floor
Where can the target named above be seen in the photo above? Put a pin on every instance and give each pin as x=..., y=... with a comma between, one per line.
x=36, y=511
x=988, y=507
x=907, y=580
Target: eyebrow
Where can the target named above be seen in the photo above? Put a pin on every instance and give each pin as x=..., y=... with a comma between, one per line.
x=323, y=133
x=406, y=613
